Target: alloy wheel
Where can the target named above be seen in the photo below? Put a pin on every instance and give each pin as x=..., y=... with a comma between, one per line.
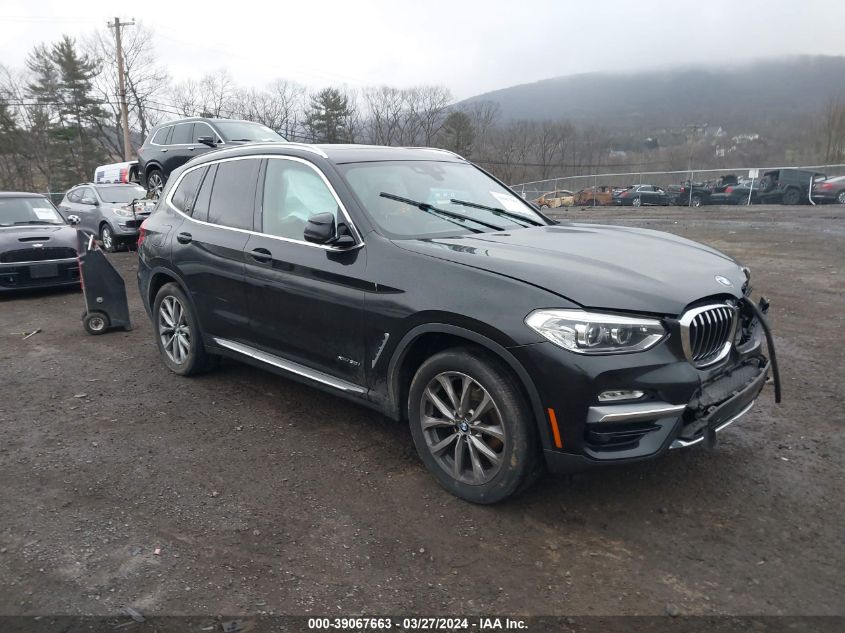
x=155, y=182
x=107, y=238
x=637, y=202
x=173, y=330
x=841, y=197
x=463, y=428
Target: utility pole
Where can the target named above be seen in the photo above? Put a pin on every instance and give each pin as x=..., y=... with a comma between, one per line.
x=124, y=108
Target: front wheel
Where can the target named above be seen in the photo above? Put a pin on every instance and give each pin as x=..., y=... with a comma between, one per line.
x=108, y=239
x=177, y=333
x=841, y=197
x=472, y=427
x=696, y=201
x=637, y=202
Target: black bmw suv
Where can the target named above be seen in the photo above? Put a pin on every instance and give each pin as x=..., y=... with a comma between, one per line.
x=172, y=144
x=411, y=281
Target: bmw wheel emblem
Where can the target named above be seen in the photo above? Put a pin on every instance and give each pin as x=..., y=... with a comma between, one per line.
x=724, y=281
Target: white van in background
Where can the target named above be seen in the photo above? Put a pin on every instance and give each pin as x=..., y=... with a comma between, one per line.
x=116, y=173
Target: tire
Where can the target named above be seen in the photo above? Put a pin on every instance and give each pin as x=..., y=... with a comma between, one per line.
x=486, y=460
x=95, y=322
x=791, y=196
x=155, y=181
x=637, y=202
x=696, y=201
x=841, y=197
x=544, y=206
x=107, y=238
x=184, y=351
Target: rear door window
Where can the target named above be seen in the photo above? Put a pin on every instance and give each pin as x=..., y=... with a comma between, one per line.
x=204, y=195
x=233, y=196
x=182, y=134
x=160, y=137
x=186, y=192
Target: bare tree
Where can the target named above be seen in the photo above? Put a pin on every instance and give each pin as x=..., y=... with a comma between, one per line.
x=832, y=130
x=146, y=81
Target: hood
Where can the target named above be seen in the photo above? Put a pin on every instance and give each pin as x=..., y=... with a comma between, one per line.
x=19, y=236
x=597, y=266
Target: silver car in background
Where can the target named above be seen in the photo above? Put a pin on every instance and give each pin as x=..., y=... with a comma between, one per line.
x=112, y=212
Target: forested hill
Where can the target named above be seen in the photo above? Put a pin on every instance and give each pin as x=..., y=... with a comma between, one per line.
x=754, y=93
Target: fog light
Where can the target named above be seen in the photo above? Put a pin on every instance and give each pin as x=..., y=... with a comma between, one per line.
x=620, y=394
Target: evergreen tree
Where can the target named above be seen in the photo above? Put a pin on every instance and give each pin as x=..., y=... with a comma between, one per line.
x=458, y=133
x=68, y=115
x=328, y=117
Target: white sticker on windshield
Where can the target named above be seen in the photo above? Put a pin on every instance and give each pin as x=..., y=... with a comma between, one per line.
x=509, y=202
x=44, y=213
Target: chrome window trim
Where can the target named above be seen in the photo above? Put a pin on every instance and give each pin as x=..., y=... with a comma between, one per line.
x=356, y=234
x=289, y=365
x=687, y=319
x=214, y=131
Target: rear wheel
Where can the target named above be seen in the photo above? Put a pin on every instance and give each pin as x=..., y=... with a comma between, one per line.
x=791, y=196
x=177, y=333
x=155, y=181
x=696, y=201
x=841, y=197
x=636, y=202
x=472, y=427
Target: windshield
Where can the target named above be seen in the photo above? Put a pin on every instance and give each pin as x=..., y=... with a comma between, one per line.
x=437, y=184
x=246, y=131
x=28, y=211
x=121, y=193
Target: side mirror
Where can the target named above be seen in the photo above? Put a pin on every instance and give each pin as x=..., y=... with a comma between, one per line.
x=90, y=201
x=207, y=140
x=321, y=229
x=73, y=220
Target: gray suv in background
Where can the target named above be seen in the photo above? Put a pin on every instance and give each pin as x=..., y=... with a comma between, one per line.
x=107, y=211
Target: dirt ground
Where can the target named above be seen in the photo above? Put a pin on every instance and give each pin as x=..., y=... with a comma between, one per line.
x=264, y=495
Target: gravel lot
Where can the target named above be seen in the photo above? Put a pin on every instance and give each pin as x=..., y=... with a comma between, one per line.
x=264, y=495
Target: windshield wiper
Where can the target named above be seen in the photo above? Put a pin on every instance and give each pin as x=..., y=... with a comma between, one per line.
x=497, y=211
x=425, y=206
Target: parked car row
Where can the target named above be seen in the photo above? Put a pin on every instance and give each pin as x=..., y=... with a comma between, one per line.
x=778, y=186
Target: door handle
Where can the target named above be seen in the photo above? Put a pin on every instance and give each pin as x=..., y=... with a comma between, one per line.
x=184, y=238
x=191, y=148
x=261, y=255
x=163, y=151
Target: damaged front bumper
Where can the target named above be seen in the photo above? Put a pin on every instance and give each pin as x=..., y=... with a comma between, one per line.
x=686, y=406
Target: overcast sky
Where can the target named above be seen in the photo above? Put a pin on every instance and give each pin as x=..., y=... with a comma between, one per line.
x=470, y=46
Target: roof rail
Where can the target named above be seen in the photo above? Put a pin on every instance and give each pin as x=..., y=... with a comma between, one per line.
x=442, y=151
x=308, y=148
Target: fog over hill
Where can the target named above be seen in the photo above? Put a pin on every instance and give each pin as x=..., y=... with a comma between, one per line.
x=749, y=94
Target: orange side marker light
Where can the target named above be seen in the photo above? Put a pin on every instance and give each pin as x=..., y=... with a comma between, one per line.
x=555, y=429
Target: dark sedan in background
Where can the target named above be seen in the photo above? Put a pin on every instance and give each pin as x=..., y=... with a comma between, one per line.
x=830, y=190
x=742, y=193
x=640, y=195
x=37, y=246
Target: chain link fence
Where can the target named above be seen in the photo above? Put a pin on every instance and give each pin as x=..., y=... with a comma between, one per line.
x=663, y=179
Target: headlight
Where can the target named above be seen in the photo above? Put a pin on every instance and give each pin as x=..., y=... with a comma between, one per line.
x=124, y=212
x=591, y=333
